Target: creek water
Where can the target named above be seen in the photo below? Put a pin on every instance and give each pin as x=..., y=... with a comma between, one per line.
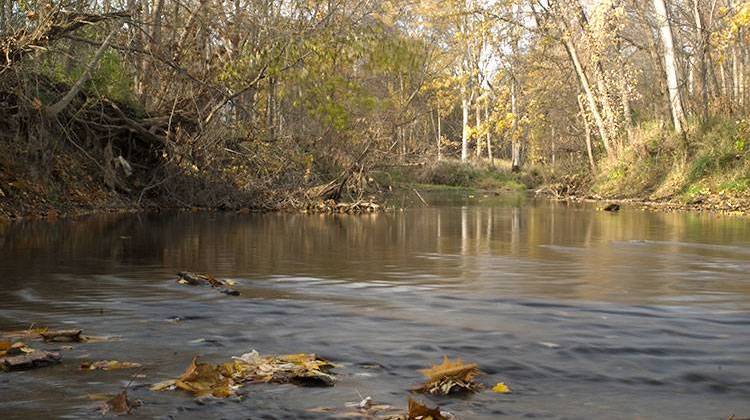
x=583, y=313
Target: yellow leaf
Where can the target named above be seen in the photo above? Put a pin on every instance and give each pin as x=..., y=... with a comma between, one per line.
x=501, y=388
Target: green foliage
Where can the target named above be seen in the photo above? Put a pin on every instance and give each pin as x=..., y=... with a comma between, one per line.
x=452, y=173
x=457, y=174
x=653, y=167
x=741, y=185
x=112, y=80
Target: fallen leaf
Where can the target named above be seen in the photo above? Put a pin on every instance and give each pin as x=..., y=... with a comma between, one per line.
x=501, y=388
x=221, y=380
x=167, y=385
x=301, y=369
x=418, y=411
x=108, y=365
x=449, y=377
x=119, y=404
x=205, y=379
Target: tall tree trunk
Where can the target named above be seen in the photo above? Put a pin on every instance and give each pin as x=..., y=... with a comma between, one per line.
x=659, y=66
x=515, y=151
x=670, y=65
x=703, y=46
x=590, y=98
x=270, y=112
x=735, y=78
x=478, y=113
x=489, y=135
x=587, y=130
x=465, y=103
x=439, y=136
x=723, y=79
x=741, y=70
x=627, y=111
x=554, y=147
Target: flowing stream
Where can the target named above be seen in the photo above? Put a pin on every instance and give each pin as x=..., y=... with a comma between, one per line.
x=583, y=313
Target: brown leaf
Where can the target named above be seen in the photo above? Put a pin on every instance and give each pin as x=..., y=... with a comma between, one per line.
x=419, y=411
x=119, y=404
x=164, y=385
x=204, y=379
x=220, y=380
x=301, y=369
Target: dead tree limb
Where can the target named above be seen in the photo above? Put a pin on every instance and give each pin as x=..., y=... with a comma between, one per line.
x=63, y=103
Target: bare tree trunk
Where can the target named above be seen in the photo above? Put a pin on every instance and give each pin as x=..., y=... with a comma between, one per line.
x=63, y=103
x=659, y=66
x=741, y=70
x=439, y=136
x=590, y=99
x=465, y=103
x=627, y=111
x=670, y=65
x=553, y=140
x=478, y=113
x=703, y=46
x=723, y=78
x=587, y=130
x=489, y=134
x=270, y=112
x=515, y=153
